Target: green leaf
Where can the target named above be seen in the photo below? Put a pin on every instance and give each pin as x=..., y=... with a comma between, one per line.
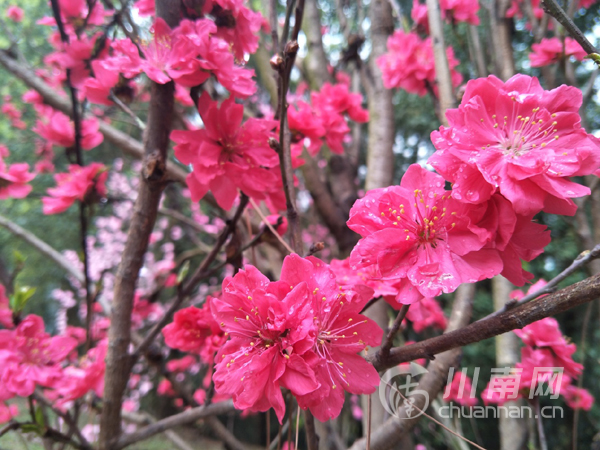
x=19, y=299
x=183, y=272
x=39, y=418
x=31, y=428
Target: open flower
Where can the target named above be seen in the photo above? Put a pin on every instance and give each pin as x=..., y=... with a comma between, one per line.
x=30, y=357
x=340, y=331
x=227, y=155
x=271, y=328
x=519, y=139
x=14, y=179
x=80, y=183
x=420, y=232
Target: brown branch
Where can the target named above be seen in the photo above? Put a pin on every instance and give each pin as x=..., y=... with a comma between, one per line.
x=284, y=64
x=184, y=418
x=152, y=183
x=389, y=340
x=582, y=260
x=311, y=433
x=201, y=272
x=42, y=247
x=515, y=318
x=59, y=102
x=552, y=8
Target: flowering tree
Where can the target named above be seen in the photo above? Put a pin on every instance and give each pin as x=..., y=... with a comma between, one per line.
x=257, y=213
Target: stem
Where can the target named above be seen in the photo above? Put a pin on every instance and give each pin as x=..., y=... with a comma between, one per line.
x=389, y=340
x=555, y=10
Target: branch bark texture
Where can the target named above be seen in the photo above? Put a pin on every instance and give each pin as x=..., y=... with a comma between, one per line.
x=152, y=183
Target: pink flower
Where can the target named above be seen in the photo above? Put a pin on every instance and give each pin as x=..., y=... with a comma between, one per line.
x=409, y=64
x=461, y=10
x=195, y=330
x=15, y=13
x=237, y=25
x=340, y=332
x=182, y=364
x=80, y=183
x=459, y=390
x=419, y=15
x=165, y=388
x=7, y=412
x=519, y=139
x=578, y=398
x=227, y=155
x=546, y=336
x=57, y=128
x=426, y=313
x=551, y=50
x=517, y=294
x=98, y=89
x=419, y=231
x=187, y=55
x=14, y=179
x=514, y=236
x=30, y=357
x=75, y=12
x=14, y=115
x=348, y=277
x=304, y=123
x=88, y=376
x=271, y=328
x=6, y=319
x=145, y=7
x=339, y=99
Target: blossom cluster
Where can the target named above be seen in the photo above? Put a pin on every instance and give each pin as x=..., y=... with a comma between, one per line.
x=227, y=155
x=323, y=118
x=509, y=152
x=409, y=64
x=301, y=333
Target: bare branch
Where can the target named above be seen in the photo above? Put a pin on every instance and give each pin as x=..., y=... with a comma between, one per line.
x=152, y=183
x=515, y=318
x=555, y=10
x=582, y=260
x=42, y=247
x=184, y=418
x=61, y=103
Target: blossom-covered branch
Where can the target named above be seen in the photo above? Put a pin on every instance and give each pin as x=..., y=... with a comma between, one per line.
x=563, y=300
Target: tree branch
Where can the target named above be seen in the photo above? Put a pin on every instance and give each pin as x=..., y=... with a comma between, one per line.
x=515, y=318
x=152, y=183
x=42, y=247
x=184, y=418
x=552, y=8
x=59, y=102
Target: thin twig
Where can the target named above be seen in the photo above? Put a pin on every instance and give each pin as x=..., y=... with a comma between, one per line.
x=555, y=10
x=433, y=419
x=582, y=260
x=270, y=227
x=389, y=340
x=42, y=247
x=200, y=273
x=117, y=101
x=284, y=64
x=73, y=427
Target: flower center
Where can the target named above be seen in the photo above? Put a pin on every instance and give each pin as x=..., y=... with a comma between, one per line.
x=518, y=135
